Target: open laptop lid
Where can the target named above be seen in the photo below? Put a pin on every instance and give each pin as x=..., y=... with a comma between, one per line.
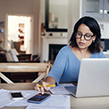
x=93, y=77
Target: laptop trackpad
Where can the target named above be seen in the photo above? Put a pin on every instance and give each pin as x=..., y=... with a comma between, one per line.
x=71, y=89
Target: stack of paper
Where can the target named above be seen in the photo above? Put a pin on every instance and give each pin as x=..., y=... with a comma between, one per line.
x=4, y=98
x=60, y=89
x=54, y=102
x=57, y=101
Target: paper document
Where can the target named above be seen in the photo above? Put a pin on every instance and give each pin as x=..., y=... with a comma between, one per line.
x=4, y=98
x=53, y=102
x=23, y=102
x=7, y=101
x=60, y=89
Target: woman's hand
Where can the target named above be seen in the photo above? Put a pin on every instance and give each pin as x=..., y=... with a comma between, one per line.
x=48, y=81
x=43, y=88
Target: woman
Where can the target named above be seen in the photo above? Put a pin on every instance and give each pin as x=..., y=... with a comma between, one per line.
x=84, y=43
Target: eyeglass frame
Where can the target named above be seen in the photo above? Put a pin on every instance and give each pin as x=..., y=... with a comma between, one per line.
x=83, y=35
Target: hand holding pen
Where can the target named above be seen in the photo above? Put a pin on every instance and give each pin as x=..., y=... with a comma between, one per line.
x=43, y=86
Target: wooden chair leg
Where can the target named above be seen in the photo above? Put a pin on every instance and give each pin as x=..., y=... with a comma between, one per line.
x=5, y=78
x=39, y=78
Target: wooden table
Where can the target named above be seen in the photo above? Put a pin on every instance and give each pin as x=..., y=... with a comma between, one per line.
x=76, y=103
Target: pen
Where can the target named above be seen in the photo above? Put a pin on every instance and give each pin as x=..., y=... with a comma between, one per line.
x=49, y=85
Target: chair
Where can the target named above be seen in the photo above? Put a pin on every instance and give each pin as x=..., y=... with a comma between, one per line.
x=43, y=68
x=17, y=47
x=24, y=57
x=11, y=56
x=3, y=57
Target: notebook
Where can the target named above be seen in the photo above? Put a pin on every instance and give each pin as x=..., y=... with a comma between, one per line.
x=93, y=78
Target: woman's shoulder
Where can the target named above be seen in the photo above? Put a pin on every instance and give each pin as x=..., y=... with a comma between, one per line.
x=66, y=47
x=98, y=55
x=64, y=50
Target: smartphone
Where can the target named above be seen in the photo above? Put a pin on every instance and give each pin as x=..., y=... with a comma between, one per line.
x=16, y=95
x=39, y=98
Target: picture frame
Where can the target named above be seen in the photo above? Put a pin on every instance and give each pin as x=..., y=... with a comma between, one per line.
x=2, y=27
x=1, y=23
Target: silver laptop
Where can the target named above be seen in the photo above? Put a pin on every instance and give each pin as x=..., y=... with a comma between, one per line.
x=93, y=78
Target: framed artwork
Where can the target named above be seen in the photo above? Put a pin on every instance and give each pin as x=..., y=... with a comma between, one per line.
x=1, y=23
x=1, y=26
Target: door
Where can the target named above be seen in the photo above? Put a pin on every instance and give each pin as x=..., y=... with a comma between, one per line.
x=19, y=28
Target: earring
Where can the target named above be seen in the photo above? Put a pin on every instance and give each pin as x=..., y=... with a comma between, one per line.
x=93, y=41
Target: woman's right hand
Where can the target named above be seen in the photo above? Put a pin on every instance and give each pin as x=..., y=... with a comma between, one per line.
x=43, y=88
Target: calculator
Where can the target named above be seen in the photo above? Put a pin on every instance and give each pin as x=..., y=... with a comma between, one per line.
x=38, y=98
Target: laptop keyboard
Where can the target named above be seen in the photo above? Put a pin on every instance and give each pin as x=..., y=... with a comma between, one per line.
x=71, y=89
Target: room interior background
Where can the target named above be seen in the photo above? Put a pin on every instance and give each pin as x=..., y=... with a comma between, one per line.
x=98, y=9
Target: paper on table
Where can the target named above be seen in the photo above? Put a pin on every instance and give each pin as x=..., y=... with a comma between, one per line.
x=53, y=102
x=4, y=98
x=60, y=89
x=27, y=94
x=7, y=101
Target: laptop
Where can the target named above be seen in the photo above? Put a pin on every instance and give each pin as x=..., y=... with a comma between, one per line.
x=93, y=78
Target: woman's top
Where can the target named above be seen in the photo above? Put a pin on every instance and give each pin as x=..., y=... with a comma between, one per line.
x=66, y=66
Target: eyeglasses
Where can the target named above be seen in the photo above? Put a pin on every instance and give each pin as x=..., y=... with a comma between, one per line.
x=87, y=36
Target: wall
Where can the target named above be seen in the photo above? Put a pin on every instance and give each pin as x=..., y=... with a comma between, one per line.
x=29, y=7
x=73, y=15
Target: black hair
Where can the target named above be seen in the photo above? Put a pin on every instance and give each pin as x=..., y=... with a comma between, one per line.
x=95, y=29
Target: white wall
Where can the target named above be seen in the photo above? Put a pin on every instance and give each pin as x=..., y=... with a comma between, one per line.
x=73, y=15
x=30, y=7
x=13, y=22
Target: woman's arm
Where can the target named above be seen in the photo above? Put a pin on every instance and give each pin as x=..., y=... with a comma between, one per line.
x=50, y=80
x=55, y=73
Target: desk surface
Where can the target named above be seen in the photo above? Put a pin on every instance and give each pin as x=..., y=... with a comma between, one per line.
x=76, y=103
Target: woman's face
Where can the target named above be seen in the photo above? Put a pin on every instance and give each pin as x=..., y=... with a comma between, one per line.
x=84, y=37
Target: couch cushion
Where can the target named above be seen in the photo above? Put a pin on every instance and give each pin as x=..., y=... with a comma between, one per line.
x=14, y=55
x=9, y=56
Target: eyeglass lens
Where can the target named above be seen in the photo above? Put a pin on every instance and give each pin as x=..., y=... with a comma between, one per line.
x=87, y=36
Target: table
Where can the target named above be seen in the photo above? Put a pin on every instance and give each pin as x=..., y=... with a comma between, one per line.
x=76, y=103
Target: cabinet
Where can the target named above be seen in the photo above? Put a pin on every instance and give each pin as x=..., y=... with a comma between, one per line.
x=95, y=8
x=99, y=9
